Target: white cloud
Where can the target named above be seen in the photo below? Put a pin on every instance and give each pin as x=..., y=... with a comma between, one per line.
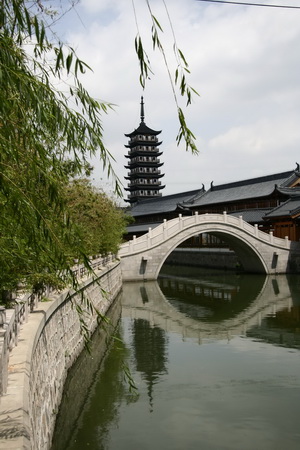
x=244, y=62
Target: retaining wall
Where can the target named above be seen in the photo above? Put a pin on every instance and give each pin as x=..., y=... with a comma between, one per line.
x=49, y=343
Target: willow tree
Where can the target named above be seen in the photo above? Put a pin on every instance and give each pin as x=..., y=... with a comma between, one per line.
x=48, y=134
x=43, y=140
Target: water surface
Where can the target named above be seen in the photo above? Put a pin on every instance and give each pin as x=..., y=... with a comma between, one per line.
x=216, y=361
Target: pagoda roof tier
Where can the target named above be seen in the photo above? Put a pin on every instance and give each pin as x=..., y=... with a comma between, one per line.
x=142, y=142
x=136, y=198
x=143, y=153
x=144, y=175
x=143, y=164
x=143, y=130
x=144, y=187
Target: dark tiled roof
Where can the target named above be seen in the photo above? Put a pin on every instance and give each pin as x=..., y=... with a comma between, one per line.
x=252, y=215
x=240, y=190
x=142, y=228
x=165, y=204
x=143, y=129
x=289, y=208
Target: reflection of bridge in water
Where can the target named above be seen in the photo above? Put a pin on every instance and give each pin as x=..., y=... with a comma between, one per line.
x=147, y=301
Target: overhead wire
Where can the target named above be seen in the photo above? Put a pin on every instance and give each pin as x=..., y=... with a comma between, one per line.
x=251, y=4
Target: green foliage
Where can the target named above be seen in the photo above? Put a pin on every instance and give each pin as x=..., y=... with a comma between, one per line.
x=100, y=224
x=43, y=142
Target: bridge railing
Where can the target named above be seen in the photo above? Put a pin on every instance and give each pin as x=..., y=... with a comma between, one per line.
x=171, y=227
x=25, y=303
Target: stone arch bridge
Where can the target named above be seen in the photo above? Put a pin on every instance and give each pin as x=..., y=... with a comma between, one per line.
x=258, y=252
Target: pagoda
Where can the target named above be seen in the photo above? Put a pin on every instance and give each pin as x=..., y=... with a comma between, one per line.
x=144, y=164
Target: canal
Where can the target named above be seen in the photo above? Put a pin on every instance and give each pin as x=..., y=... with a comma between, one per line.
x=215, y=357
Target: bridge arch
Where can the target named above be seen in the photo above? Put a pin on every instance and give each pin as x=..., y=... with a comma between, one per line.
x=251, y=260
x=259, y=252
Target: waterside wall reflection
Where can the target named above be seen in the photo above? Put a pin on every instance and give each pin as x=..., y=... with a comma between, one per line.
x=81, y=386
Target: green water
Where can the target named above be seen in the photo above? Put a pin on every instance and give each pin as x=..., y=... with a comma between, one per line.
x=216, y=361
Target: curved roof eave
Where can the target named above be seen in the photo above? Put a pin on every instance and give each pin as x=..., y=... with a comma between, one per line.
x=143, y=129
x=290, y=191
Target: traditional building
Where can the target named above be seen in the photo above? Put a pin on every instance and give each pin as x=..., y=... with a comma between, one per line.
x=272, y=202
x=144, y=164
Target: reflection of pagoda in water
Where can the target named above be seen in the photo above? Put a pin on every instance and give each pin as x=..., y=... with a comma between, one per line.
x=150, y=353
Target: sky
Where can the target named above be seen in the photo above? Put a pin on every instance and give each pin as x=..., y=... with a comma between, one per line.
x=244, y=62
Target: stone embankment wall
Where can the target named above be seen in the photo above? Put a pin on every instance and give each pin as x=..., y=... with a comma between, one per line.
x=217, y=258
x=49, y=343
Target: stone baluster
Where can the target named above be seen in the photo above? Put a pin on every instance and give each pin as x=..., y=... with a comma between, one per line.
x=12, y=338
x=17, y=323
x=31, y=302
x=241, y=221
x=180, y=221
x=2, y=316
x=149, y=237
x=131, y=243
x=165, y=229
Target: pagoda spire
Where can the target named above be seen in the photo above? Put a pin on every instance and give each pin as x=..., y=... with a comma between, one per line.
x=142, y=110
